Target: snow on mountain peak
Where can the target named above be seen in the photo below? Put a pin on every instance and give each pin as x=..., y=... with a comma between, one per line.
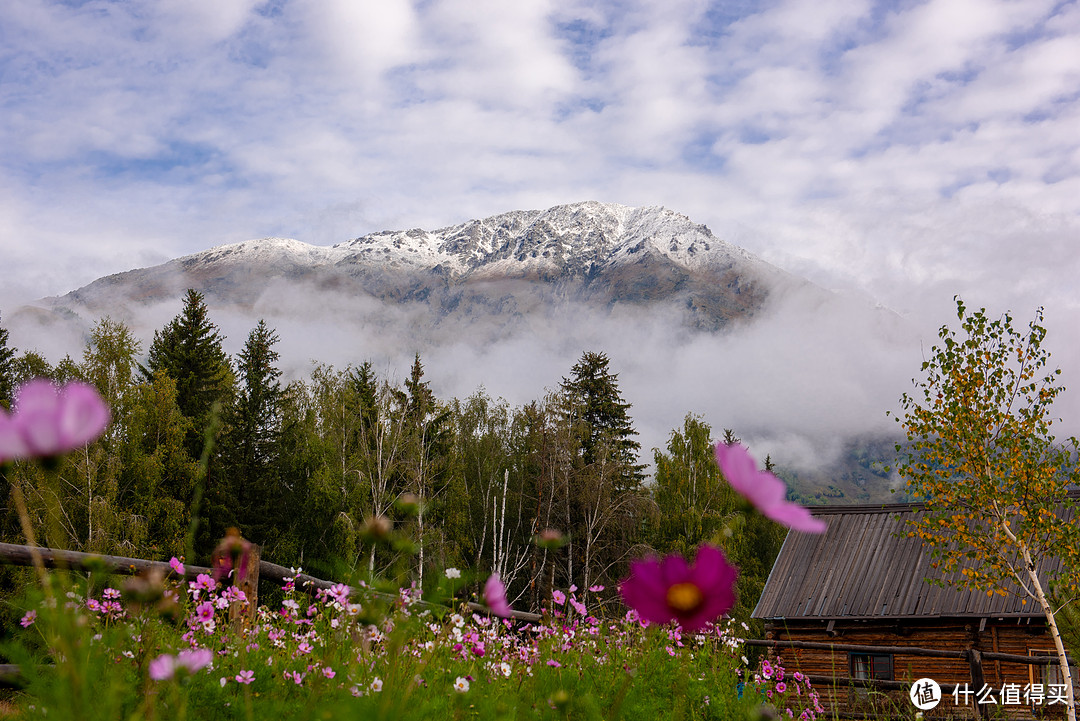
x=578, y=236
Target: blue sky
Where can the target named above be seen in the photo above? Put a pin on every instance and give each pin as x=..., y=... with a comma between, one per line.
x=900, y=151
x=842, y=139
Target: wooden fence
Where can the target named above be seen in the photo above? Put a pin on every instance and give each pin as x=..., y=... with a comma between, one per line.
x=12, y=554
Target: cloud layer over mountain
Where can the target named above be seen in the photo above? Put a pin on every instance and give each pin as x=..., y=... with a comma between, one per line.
x=899, y=150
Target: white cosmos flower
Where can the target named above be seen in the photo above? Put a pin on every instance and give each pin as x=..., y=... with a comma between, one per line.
x=461, y=685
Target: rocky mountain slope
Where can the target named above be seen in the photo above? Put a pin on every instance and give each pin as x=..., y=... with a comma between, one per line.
x=498, y=268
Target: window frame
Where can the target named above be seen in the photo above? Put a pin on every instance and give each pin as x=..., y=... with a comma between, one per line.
x=878, y=666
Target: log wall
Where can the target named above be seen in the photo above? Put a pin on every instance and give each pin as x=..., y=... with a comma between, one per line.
x=995, y=636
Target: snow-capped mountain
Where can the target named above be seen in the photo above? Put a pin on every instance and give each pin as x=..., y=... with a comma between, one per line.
x=521, y=262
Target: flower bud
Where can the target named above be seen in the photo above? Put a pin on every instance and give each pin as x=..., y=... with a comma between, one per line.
x=409, y=504
x=550, y=539
x=376, y=529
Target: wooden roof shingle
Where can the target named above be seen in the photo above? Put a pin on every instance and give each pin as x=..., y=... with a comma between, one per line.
x=865, y=567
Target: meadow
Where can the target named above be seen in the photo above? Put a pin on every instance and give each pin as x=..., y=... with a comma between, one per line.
x=162, y=645
x=166, y=648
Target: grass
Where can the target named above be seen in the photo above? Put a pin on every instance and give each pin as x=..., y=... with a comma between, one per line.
x=89, y=654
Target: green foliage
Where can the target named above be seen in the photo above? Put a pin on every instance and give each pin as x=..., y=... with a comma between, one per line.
x=696, y=505
x=994, y=479
x=981, y=454
x=249, y=493
x=303, y=469
x=593, y=399
x=7, y=370
x=189, y=350
x=30, y=364
x=86, y=666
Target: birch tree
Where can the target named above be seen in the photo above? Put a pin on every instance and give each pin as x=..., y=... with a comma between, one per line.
x=981, y=455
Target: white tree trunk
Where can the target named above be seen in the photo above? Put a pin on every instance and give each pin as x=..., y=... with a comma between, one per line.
x=1063, y=659
x=1036, y=589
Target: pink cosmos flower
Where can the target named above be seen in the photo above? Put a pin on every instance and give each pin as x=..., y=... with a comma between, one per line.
x=28, y=620
x=162, y=667
x=670, y=590
x=175, y=564
x=202, y=581
x=191, y=660
x=205, y=612
x=340, y=593
x=495, y=596
x=245, y=677
x=559, y=596
x=48, y=420
x=763, y=490
x=194, y=659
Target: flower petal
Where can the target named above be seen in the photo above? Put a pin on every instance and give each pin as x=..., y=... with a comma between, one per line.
x=37, y=412
x=495, y=596
x=763, y=490
x=796, y=518
x=645, y=591
x=12, y=445
x=83, y=415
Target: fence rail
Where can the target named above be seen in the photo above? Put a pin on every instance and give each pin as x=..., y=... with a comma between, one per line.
x=18, y=555
x=13, y=554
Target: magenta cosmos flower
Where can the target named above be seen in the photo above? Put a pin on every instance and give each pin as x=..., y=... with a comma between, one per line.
x=495, y=596
x=671, y=590
x=48, y=420
x=763, y=490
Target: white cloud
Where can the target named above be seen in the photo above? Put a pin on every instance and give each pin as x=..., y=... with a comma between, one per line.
x=904, y=152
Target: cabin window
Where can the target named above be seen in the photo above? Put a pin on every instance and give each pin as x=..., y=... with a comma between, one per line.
x=1049, y=673
x=871, y=665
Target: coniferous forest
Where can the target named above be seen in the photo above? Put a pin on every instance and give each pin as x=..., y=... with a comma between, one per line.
x=549, y=495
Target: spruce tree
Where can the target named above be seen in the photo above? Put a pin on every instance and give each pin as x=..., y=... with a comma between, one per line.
x=260, y=392
x=426, y=427
x=189, y=350
x=593, y=399
x=365, y=386
x=249, y=494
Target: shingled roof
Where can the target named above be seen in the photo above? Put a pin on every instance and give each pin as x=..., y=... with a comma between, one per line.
x=865, y=567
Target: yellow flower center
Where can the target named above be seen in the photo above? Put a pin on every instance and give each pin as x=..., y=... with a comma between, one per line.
x=684, y=597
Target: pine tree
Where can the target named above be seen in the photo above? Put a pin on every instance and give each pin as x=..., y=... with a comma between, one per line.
x=7, y=370
x=365, y=386
x=249, y=493
x=258, y=399
x=189, y=350
x=593, y=399
x=428, y=442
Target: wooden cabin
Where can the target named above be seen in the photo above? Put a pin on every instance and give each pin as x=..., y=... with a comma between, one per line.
x=864, y=583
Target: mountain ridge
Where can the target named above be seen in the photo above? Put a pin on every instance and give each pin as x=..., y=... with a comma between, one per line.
x=601, y=254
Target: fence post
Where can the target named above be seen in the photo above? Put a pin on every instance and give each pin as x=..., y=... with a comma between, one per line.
x=978, y=680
